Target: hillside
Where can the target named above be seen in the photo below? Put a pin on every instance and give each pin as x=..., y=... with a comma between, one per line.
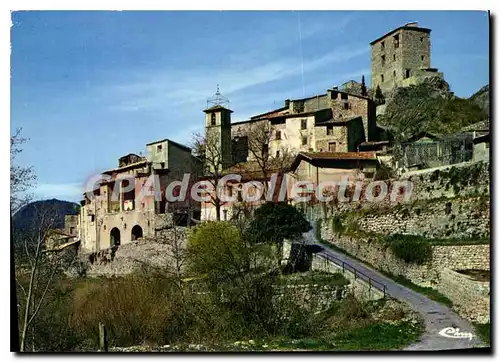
x=29, y=216
x=482, y=98
x=429, y=107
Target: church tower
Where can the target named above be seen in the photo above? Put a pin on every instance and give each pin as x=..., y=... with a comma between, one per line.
x=217, y=133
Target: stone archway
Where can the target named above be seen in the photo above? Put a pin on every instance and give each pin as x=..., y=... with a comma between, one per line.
x=136, y=232
x=115, y=237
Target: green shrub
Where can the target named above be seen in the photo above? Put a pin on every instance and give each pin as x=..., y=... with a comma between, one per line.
x=337, y=226
x=410, y=248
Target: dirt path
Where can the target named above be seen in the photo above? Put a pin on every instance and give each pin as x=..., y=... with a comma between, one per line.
x=436, y=316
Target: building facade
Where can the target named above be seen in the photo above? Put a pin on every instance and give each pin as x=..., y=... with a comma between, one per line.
x=401, y=57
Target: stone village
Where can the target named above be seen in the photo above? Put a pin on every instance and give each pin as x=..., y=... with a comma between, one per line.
x=327, y=137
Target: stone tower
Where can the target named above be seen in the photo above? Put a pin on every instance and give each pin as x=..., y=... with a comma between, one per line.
x=217, y=133
x=401, y=57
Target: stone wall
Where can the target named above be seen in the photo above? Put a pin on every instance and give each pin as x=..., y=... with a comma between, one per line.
x=442, y=218
x=457, y=257
x=471, y=298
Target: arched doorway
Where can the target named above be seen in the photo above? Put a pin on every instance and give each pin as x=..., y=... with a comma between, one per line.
x=115, y=237
x=136, y=232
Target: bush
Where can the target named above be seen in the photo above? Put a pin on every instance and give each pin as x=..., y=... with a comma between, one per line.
x=410, y=248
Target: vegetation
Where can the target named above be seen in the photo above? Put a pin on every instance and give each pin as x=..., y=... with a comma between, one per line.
x=410, y=248
x=379, y=97
x=428, y=107
x=484, y=332
x=427, y=291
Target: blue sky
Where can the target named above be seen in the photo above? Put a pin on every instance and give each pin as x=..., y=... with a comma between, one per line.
x=89, y=87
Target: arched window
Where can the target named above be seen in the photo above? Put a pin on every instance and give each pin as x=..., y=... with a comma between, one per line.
x=136, y=232
x=213, y=119
x=115, y=237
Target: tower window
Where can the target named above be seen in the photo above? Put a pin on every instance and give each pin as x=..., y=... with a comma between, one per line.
x=213, y=119
x=278, y=135
x=304, y=140
x=407, y=73
x=422, y=57
x=382, y=78
x=383, y=60
x=394, y=74
x=278, y=153
x=394, y=57
x=396, y=41
x=159, y=148
x=382, y=45
x=421, y=39
x=303, y=124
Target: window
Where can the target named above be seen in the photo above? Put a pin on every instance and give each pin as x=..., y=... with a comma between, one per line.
x=278, y=135
x=278, y=153
x=407, y=73
x=394, y=57
x=396, y=41
x=344, y=96
x=329, y=130
x=213, y=119
x=332, y=146
x=159, y=148
x=304, y=140
x=421, y=39
x=382, y=45
x=394, y=74
x=382, y=78
x=346, y=105
x=71, y=230
x=383, y=60
x=92, y=218
x=303, y=124
x=422, y=57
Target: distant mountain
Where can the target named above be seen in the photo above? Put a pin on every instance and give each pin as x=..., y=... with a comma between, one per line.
x=29, y=216
x=482, y=99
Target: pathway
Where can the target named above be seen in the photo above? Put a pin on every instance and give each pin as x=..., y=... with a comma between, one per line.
x=436, y=316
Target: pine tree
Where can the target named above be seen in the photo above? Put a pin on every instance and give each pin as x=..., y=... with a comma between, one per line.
x=363, y=86
x=379, y=97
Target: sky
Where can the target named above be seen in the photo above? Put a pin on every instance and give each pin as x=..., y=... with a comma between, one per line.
x=88, y=87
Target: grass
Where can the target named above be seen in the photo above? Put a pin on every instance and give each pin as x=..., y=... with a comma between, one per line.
x=427, y=291
x=484, y=332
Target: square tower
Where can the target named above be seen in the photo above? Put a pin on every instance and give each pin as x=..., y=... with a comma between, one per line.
x=399, y=55
x=217, y=138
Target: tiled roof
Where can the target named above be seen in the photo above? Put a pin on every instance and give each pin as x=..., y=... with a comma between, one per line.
x=339, y=155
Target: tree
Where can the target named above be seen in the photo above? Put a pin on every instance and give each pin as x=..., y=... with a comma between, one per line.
x=21, y=178
x=275, y=221
x=363, y=86
x=208, y=149
x=379, y=97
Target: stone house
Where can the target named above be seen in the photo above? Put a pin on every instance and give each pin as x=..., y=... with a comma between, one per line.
x=116, y=213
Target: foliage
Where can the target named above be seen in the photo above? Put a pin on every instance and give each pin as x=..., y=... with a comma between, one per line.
x=379, y=97
x=428, y=107
x=410, y=248
x=363, y=86
x=484, y=332
x=276, y=221
x=384, y=172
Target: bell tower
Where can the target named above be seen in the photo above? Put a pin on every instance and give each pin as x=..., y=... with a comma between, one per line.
x=217, y=133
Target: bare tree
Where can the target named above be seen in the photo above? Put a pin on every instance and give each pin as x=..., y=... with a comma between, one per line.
x=40, y=267
x=260, y=135
x=21, y=178
x=207, y=148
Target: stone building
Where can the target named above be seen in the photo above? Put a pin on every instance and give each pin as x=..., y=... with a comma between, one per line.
x=116, y=213
x=401, y=57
